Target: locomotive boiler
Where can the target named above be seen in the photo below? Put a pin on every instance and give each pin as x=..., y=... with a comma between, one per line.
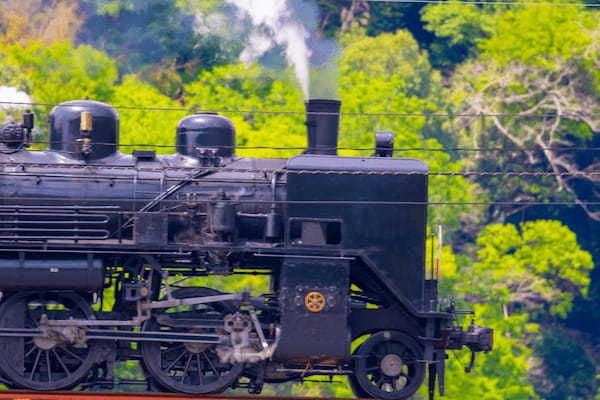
x=105, y=257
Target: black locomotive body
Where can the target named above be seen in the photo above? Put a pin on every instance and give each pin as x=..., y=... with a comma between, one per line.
x=341, y=239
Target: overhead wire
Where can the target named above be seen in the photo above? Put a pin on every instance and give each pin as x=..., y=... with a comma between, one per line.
x=403, y=149
x=478, y=2
x=314, y=202
x=302, y=112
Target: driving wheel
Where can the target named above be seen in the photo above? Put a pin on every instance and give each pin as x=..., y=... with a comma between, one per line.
x=189, y=367
x=44, y=362
x=388, y=366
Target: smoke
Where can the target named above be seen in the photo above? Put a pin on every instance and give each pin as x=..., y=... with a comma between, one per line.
x=290, y=24
x=258, y=44
x=11, y=94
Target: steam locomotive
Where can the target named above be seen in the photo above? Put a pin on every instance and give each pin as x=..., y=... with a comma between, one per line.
x=105, y=257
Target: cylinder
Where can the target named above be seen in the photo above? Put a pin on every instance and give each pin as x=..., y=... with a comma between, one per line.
x=323, y=122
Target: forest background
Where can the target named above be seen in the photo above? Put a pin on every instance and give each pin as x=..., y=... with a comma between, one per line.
x=516, y=76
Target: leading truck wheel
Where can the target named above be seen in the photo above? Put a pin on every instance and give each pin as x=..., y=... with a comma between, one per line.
x=388, y=366
x=44, y=363
x=189, y=367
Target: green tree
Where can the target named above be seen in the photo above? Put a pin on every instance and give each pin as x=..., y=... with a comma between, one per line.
x=458, y=29
x=60, y=72
x=504, y=372
x=570, y=376
x=154, y=37
x=537, y=269
x=146, y=127
x=546, y=76
x=521, y=280
x=251, y=88
x=55, y=73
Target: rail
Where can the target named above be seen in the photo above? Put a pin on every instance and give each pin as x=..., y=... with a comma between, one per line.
x=86, y=395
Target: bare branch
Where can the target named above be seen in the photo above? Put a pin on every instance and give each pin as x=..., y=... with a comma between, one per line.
x=562, y=92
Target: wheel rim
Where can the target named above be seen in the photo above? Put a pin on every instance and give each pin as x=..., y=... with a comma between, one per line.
x=36, y=363
x=388, y=366
x=189, y=368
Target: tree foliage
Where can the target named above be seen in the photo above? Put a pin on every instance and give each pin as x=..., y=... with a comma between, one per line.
x=547, y=76
x=38, y=20
x=61, y=72
x=501, y=374
x=537, y=269
x=458, y=28
x=521, y=278
x=160, y=33
x=139, y=127
x=244, y=89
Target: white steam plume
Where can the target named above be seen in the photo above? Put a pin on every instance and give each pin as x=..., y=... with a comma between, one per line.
x=10, y=94
x=279, y=25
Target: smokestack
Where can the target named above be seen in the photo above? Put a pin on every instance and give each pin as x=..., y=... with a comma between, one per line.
x=322, y=128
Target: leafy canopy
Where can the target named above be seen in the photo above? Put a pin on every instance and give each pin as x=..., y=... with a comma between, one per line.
x=60, y=72
x=538, y=268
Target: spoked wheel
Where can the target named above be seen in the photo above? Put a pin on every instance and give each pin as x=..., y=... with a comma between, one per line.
x=388, y=367
x=354, y=385
x=44, y=363
x=189, y=367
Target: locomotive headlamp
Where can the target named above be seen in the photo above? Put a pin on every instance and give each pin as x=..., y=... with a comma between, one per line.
x=315, y=301
x=16, y=136
x=12, y=135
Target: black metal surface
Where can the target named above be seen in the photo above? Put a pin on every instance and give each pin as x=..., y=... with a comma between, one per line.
x=25, y=271
x=322, y=121
x=206, y=131
x=307, y=335
x=392, y=236
x=12, y=135
x=384, y=144
x=65, y=133
x=151, y=229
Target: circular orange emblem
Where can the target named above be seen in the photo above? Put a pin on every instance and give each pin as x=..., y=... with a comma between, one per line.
x=314, y=301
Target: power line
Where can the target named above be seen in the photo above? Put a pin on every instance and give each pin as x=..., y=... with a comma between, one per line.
x=511, y=3
x=317, y=202
x=349, y=114
x=403, y=149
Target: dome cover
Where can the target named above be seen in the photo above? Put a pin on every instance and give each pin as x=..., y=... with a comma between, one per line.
x=206, y=130
x=66, y=135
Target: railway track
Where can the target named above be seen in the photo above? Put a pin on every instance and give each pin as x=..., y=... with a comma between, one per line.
x=86, y=395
